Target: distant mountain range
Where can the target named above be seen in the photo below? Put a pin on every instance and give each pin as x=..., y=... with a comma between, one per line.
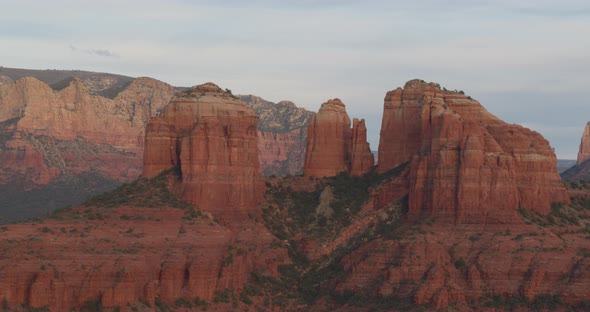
x=69, y=134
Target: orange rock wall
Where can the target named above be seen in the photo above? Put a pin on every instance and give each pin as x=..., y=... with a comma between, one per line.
x=466, y=165
x=281, y=154
x=50, y=133
x=333, y=147
x=584, y=152
x=362, y=159
x=212, y=137
x=134, y=254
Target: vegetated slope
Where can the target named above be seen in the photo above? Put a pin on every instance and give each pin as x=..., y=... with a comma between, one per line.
x=282, y=133
x=578, y=172
x=363, y=254
x=137, y=246
x=59, y=146
x=340, y=243
x=565, y=164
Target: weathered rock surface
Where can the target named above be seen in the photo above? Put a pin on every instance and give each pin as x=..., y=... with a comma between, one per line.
x=112, y=257
x=382, y=260
x=466, y=165
x=362, y=159
x=584, y=153
x=581, y=171
x=211, y=136
x=333, y=147
x=49, y=135
x=441, y=265
x=282, y=133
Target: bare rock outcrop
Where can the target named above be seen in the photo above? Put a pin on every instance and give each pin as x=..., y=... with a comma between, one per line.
x=282, y=134
x=71, y=141
x=581, y=171
x=333, y=147
x=211, y=136
x=584, y=152
x=466, y=165
x=362, y=159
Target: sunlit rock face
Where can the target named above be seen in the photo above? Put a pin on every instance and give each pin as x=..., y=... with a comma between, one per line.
x=211, y=136
x=333, y=147
x=466, y=165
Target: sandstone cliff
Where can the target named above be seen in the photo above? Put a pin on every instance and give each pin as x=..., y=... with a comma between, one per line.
x=362, y=159
x=96, y=258
x=282, y=133
x=211, y=136
x=466, y=165
x=333, y=147
x=581, y=171
x=584, y=152
x=52, y=138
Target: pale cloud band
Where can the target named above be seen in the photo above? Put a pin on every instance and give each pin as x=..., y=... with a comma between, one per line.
x=97, y=52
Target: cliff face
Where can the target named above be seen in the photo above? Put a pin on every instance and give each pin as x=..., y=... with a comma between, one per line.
x=362, y=159
x=581, y=171
x=466, y=165
x=584, y=152
x=112, y=257
x=281, y=135
x=48, y=136
x=333, y=147
x=211, y=136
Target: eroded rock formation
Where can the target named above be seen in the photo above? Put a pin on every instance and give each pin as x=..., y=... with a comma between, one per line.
x=71, y=138
x=115, y=257
x=211, y=136
x=333, y=147
x=282, y=133
x=584, y=152
x=581, y=171
x=466, y=165
x=362, y=159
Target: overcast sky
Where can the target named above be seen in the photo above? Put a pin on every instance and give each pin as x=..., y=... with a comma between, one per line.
x=528, y=62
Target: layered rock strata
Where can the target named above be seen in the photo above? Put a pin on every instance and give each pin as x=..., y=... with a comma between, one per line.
x=584, y=152
x=333, y=147
x=581, y=171
x=113, y=258
x=362, y=159
x=282, y=134
x=70, y=140
x=211, y=136
x=466, y=165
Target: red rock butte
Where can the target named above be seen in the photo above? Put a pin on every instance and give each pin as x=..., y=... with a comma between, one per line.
x=333, y=147
x=211, y=136
x=584, y=152
x=465, y=164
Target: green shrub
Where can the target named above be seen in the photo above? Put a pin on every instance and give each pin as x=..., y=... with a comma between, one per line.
x=222, y=296
x=460, y=263
x=182, y=303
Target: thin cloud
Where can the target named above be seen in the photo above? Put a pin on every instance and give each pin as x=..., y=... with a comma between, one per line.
x=97, y=52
